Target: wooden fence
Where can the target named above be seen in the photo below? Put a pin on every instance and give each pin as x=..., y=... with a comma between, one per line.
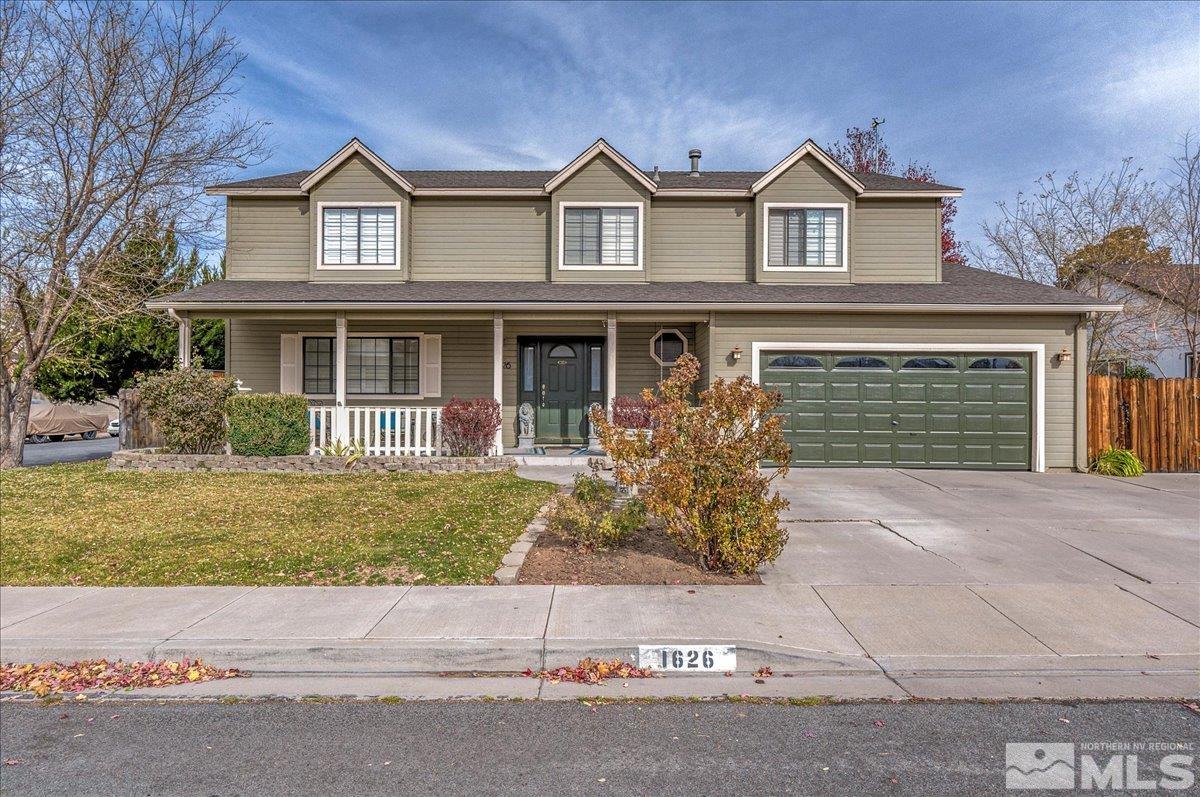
x=1158, y=419
x=136, y=429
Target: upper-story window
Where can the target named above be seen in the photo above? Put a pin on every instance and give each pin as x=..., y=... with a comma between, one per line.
x=600, y=236
x=358, y=236
x=805, y=237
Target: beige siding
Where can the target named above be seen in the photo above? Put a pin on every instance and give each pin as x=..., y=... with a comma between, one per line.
x=636, y=369
x=358, y=180
x=896, y=240
x=602, y=180
x=253, y=352
x=706, y=240
x=807, y=181
x=1055, y=332
x=480, y=239
x=267, y=239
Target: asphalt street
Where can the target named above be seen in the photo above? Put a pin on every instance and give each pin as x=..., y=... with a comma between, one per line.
x=568, y=748
x=70, y=450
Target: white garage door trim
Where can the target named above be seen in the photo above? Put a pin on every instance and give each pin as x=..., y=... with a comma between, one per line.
x=1037, y=351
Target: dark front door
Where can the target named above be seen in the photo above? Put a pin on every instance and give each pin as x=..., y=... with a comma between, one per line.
x=563, y=398
x=561, y=378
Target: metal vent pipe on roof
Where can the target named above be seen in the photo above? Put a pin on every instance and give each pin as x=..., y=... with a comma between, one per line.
x=695, y=156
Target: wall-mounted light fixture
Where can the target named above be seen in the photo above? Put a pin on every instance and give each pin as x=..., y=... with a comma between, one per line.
x=736, y=353
x=1064, y=355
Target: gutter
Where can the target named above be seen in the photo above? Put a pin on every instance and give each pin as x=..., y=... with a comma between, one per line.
x=677, y=306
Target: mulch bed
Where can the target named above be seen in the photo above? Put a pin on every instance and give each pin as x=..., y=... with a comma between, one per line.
x=647, y=557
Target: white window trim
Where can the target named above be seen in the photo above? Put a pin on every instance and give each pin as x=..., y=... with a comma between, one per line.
x=1037, y=352
x=658, y=335
x=321, y=264
x=359, y=396
x=641, y=233
x=766, y=234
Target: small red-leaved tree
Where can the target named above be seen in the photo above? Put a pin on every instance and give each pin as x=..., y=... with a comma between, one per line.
x=700, y=467
x=469, y=426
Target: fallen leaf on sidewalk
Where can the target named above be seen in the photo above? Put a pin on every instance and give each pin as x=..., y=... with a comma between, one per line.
x=11, y=762
x=763, y=672
x=879, y=723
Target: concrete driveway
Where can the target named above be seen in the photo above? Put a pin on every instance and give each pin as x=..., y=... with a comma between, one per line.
x=914, y=527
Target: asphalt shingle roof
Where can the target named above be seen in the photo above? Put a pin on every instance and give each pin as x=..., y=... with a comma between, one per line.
x=960, y=285
x=443, y=178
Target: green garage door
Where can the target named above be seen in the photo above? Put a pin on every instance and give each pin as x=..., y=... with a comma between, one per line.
x=918, y=410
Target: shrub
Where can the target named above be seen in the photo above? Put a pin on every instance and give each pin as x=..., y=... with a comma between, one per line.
x=1118, y=462
x=1137, y=372
x=588, y=519
x=469, y=426
x=268, y=424
x=188, y=407
x=631, y=412
x=701, y=470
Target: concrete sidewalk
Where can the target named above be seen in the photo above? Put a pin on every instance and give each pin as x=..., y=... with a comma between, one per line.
x=1062, y=640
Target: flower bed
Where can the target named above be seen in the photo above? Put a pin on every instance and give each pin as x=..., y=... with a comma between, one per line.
x=149, y=459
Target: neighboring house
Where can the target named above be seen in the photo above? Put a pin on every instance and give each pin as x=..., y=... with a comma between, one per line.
x=361, y=284
x=1161, y=319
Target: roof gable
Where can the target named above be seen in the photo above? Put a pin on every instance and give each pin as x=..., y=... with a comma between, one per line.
x=354, y=147
x=601, y=147
x=810, y=148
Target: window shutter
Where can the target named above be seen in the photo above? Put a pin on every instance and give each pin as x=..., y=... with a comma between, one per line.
x=289, y=363
x=431, y=366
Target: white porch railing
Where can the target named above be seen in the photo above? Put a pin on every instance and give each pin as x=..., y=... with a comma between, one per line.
x=382, y=431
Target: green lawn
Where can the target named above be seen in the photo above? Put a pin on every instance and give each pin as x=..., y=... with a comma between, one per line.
x=80, y=524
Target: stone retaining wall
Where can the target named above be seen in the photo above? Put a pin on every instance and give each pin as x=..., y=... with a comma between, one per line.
x=152, y=460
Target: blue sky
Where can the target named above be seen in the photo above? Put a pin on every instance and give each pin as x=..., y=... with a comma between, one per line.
x=991, y=95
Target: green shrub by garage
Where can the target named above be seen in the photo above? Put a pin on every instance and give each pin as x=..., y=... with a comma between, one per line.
x=268, y=424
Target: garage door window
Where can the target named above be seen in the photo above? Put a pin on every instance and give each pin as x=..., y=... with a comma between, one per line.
x=928, y=362
x=860, y=362
x=995, y=364
x=794, y=361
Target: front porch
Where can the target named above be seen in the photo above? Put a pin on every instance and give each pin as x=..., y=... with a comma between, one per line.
x=381, y=379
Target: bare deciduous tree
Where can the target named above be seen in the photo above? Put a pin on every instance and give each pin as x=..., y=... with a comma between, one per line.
x=1041, y=235
x=110, y=113
x=1182, y=219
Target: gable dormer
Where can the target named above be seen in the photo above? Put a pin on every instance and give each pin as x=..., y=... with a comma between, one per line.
x=360, y=210
x=600, y=218
x=804, y=210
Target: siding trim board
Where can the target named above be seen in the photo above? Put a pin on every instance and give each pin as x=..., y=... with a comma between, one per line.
x=1037, y=352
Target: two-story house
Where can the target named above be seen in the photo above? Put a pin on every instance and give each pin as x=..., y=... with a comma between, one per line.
x=379, y=292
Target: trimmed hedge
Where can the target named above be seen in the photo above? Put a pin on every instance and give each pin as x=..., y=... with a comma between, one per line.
x=268, y=424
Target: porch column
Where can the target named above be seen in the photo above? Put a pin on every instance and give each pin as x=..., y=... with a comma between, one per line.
x=498, y=375
x=185, y=340
x=610, y=361
x=341, y=415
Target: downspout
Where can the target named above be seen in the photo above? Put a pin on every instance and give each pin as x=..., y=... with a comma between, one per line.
x=185, y=337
